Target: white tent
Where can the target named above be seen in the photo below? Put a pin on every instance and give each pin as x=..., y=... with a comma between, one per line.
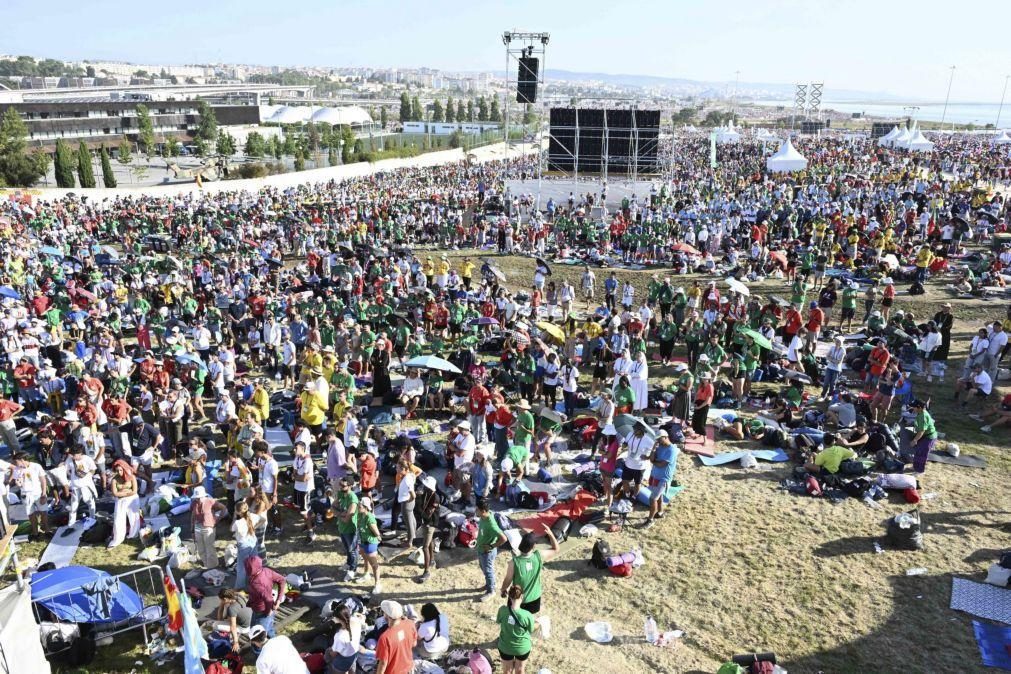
x=1002, y=138
x=765, y=135
x=887, y=139
x=728, y=135
x=786, y=159
x=343, y=116
x=19, y=633
x=919, y=143
x=903, y=137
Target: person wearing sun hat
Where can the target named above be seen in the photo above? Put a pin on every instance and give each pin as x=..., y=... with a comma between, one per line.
x=395, y=648
x=426, y=511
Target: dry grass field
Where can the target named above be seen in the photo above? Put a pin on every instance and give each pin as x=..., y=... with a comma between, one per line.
x=738, y=564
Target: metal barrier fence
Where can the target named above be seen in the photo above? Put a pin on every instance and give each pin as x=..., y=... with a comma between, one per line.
x=147, y=582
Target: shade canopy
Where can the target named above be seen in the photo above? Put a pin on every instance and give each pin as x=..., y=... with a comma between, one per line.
x=902, y=138
x=290, y=115
x=919, y=143
x=81, y=594
x=1002, y=138
x=889, y=137
x=343, y=116
x=786, y=159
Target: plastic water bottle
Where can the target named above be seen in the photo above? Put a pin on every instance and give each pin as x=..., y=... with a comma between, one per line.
x=652, y=632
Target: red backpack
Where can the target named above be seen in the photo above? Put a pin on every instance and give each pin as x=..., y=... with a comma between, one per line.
x=467, y=535
x=230, y=664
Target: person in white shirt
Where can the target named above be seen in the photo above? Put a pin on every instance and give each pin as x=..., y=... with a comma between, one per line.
x=462, y=445
x=412, y=391
x=977, y=385
x=288, y=355
x=928, y=343
x=405, y=499
x=32, y=479
x=81, y=475
x=638, y=374
x=277, y=655
x=638, y=447
x=268, y=470
x=343, y=653
x=979, y=352
x=998, y=340
x=302, y=466
x=588, y=283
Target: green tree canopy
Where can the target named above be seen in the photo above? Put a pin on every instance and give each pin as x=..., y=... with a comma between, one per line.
x=225, y=144
x=17, y=168
x=450, y=110
x=85, y=172
x=405, y=108
x=123, y=153
x=145, y=130
x=64, y=165
x=207, y=128
x=108, y=177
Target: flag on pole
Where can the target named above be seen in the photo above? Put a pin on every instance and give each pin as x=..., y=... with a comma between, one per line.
x=175, y=616
x=194, y=644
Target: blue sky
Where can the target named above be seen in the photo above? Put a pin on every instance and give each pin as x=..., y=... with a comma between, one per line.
x=883, y=45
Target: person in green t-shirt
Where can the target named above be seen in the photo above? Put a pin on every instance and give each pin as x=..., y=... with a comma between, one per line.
x=828, y=460
x=926, y=435
x=368, y=539
x=515, y=636
x=849, y=306
x=523, y=430
x=525, y=570
x=489, y=537
x=347, y=524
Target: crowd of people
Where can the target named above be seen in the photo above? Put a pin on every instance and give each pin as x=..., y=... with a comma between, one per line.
x=143, y=331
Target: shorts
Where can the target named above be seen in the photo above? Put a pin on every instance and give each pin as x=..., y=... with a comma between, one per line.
x=369, y=548
x=631, y=475
x=509, y=658
x=287, y=371
x=656, y=491
x=301, y=500
x=848, y=312
x=34, y=505
x=427, y=533
x=145, y=459
x=887, y=302
x=532, y=606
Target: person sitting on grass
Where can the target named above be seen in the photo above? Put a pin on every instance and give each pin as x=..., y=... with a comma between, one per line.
x=827, y=461
x=994, y=416
x=743, y=429
x=977, y=385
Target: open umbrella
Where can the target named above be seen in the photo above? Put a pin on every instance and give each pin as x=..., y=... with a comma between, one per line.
x=346, y=252
x=10, y=293
x=497, y=273
x=544, y=265
x=520, y=338
x=548, y=413
x=79, y=293
x=626, y=423
x=779, y=300
x=484, y=320
x=173, y=262
x=990, y=217
x=551, y=329
x=111, y=252
x=433, y=363
x=759, y=338
x=51, y=250
x=189, y=359
x=738, y=287
x=685, y=248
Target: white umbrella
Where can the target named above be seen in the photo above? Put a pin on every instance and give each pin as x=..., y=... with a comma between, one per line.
x=738, y=287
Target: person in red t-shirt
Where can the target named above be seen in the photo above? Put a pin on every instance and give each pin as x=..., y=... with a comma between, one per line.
x=815, y=319
x=28, y=389
x=877, y=361
x=476, y=400
x=791, y=323
x=395, y=648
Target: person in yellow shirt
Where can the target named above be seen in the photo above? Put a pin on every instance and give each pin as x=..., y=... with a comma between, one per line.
x=429, y=270
x=314, y=408
x=329, y=362
x=442, y=271
x=260, y=400
x=466, y=272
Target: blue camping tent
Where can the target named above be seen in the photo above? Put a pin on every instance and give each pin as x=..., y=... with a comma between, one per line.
x=81, y=594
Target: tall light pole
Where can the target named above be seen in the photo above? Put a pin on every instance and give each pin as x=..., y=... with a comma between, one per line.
x=737, y=81
x=1000, y=108
x=947, y=96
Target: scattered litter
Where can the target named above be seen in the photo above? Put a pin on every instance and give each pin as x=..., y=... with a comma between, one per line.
x=930, y=496
x=599, y=631
x=877, y=547
x=916, y=571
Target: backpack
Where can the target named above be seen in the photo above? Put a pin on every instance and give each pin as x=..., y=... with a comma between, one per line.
x=543, y=475
x=467, y=534
x=514, y=494
x=427, y=460
x=909, y=538
x=812, y=485
x=230, y=664
x=621, y=570
x=764, y=667
x=857, y=488
x=561, y=528
x=314, y=662
x=773, y=437
x=528, y=501
x=852, y=467
x=598, y=557
x=479, y=663
x=98, y=534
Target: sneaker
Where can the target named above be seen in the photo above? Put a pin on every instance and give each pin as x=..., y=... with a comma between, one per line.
x=422, y=578
x=377, y=588
x=976, y=417
x=649, y=523
x=349, y=577
x=985, y=429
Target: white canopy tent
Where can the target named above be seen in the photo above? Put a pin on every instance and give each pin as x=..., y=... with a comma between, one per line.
x=919, y=142
x=728, y=135
x=887, y=139
x=765, y=136
x=786, y=159
x=20, y=645
x=1002, y=138
x=903, y=137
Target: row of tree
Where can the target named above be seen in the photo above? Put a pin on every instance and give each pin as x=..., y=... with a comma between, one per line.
x=481, y=111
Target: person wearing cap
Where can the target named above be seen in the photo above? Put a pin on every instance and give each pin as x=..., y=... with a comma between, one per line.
x=275, y=654
x=815, y=320
x=314, y=408
x=205, y=511
x=426, y=512
x=368, y=540
x=395, y=648
x=143, y=440
x=664, y=466
x=887, y=297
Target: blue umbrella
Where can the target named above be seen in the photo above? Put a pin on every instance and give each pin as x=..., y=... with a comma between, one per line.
x=187, y=359
x=484, y=320
x=7, y=291
x=51, y=250
x=433, y=363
